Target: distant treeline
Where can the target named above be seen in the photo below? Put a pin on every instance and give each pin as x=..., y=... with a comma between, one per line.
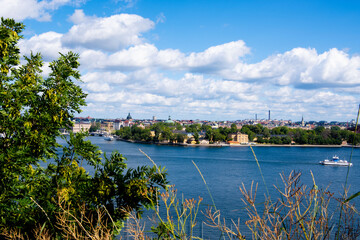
x=173, y=132
x=284, y=135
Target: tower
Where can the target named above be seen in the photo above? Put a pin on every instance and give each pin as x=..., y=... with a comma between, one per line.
x=269, y=116
x=302, y=121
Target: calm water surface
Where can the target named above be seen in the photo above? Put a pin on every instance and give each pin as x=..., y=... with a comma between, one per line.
x=226, y=168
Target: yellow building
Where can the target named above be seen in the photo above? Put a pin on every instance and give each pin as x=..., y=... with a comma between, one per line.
x=77, y=127
x=238, y=138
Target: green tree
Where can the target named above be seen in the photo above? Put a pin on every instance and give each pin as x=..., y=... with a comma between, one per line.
x=95, y=127
x=234, y=128
x=275, y=140
x=193, y=128
x=276, y=131
x=286, y=140
x=218, y=136
x=209, y=134
x=284, y=130
x=178, y=126
x=196, y=137
x=32, y=110
x=266, y=132
x=180, y=138
x=319, y=129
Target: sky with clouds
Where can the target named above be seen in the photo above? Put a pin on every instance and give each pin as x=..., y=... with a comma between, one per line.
x=203, y=59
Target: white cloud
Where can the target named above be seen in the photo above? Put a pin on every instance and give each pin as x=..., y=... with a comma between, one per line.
x=213, y=59
x=33, y=9
x=79, y=17
x=124, y=71
x=109, y=34
x=303, y=68
x=125, y=4
x=160, y=18
x=218, y=57
x=104, y=77
x=48, y=44
x=98, y=87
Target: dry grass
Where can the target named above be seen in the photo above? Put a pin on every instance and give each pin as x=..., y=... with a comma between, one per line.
x=80, y=227
x=299, y=212
x=94, y=227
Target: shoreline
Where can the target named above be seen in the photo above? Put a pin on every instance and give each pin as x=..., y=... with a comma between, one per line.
x=236, y=145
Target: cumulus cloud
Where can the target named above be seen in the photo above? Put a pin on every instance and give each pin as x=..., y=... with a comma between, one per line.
x=48, y=44
x=145, y=55
x=303, y=68
x=79, y=17
x=108, y=34
x=218, y=57
x=123, y=72
x=107, y=77
x=31, y=9
x=98, y=87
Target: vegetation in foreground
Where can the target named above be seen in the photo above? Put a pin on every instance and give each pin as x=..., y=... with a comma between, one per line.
x=300, y=212
x=32, y=111
x=63, y=201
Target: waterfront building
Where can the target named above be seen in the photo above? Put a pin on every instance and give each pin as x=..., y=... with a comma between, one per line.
x=81, y=126
x=238, y=138
x=203, y=141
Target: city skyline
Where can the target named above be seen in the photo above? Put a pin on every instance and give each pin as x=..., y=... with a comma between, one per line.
x=211, y=60
x=254, y=119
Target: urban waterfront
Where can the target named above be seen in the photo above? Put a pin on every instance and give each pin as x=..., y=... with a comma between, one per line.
x=226, y=168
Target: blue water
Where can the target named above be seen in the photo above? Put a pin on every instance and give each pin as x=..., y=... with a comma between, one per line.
x=226, y=168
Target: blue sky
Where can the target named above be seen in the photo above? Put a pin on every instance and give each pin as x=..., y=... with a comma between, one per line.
x=214, y=60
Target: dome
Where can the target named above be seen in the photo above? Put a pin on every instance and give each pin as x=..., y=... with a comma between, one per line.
x=169, y=120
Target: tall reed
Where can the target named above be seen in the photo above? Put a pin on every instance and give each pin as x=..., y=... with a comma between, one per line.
x=347, y=177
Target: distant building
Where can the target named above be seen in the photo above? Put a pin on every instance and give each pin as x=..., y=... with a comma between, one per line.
x=118, y=124
x=81, y=126
x=302, y=121
x=191, y=140
x=129, y=117
x=169, y=121
x=269, y=116
x=203, y=141
x=238, y=138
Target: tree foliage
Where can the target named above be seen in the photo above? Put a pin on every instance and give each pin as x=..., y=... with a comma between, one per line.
x=35, y=171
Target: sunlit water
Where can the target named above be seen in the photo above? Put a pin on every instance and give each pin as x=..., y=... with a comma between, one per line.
x=226, y=168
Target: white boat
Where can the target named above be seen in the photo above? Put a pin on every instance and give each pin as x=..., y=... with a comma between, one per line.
x=109, y=138
x=335, y=161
